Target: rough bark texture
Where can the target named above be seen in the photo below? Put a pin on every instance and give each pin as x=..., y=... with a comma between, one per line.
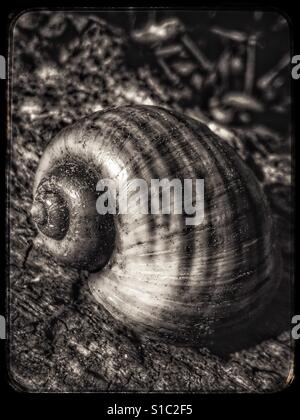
x=60, y=339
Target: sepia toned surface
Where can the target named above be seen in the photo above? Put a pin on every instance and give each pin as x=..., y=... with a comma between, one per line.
x=68, y=65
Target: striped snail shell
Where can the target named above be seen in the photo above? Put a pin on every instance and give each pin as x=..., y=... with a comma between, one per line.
x=153, y=272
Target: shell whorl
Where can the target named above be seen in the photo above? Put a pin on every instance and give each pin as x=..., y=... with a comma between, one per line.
x=69, y=227
x=164, y=278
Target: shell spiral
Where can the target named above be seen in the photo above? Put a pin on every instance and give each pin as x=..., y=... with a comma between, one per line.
x=153, y=272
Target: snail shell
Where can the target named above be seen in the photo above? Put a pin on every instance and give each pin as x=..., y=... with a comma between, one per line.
x=179, y=283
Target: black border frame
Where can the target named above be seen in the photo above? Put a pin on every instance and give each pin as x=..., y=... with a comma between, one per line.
x=103, y=400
